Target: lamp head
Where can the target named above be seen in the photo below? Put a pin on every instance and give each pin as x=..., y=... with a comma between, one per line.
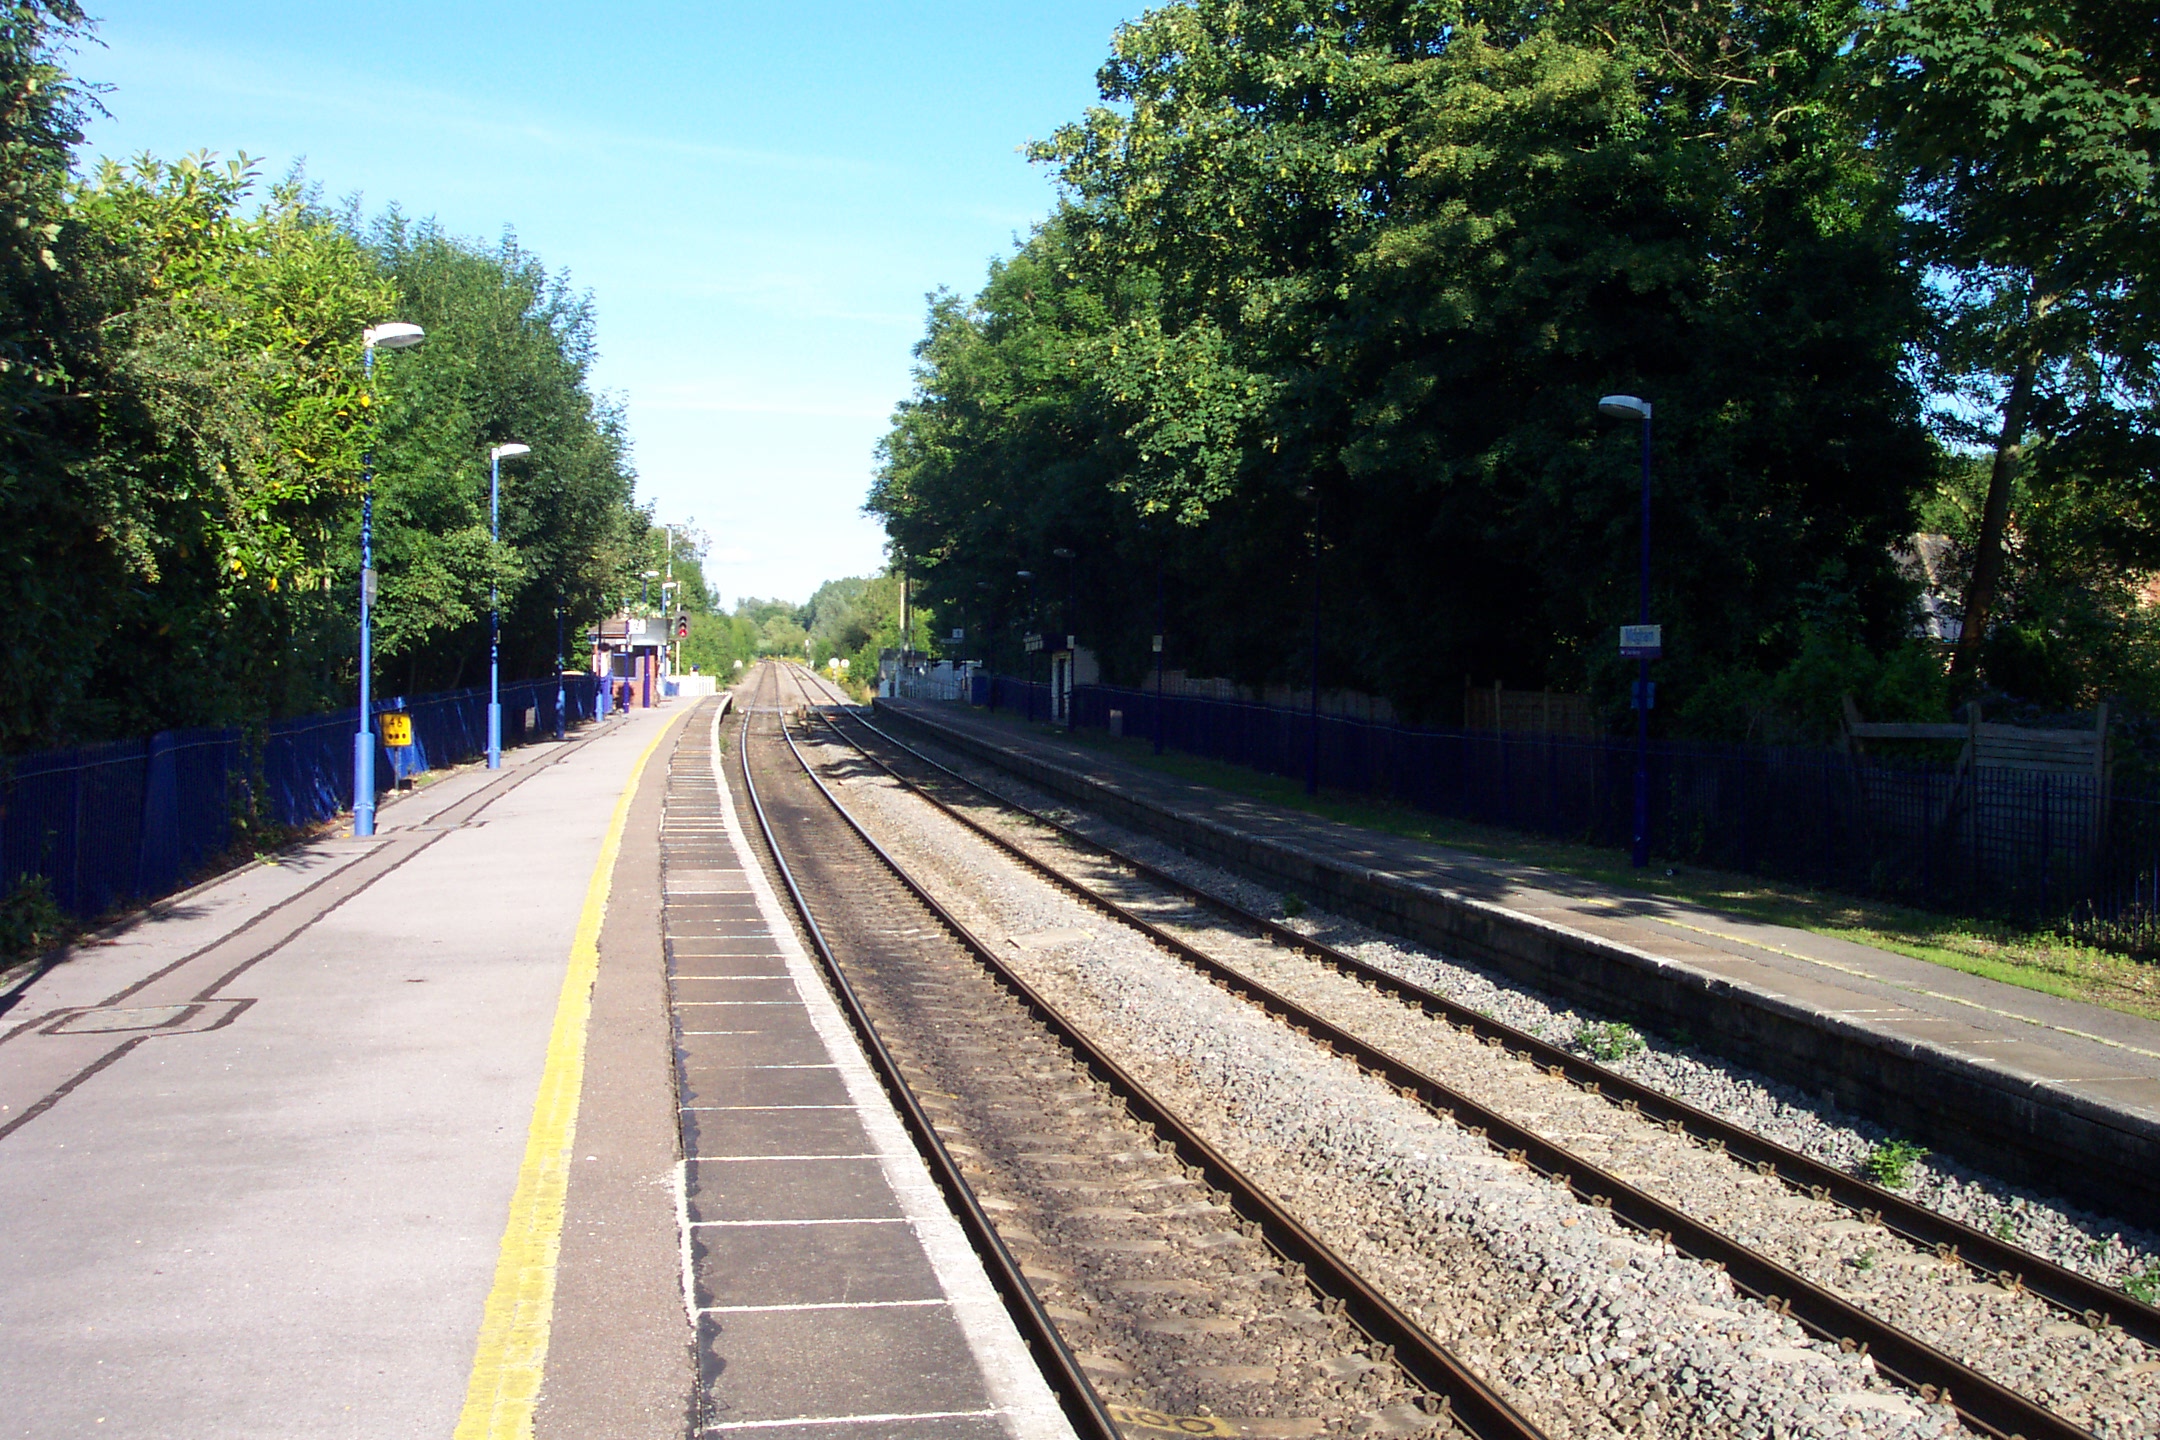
x=509, y=452
x=1025, y=574
x=392, y=335
x=1624, y=407
x=652, y=574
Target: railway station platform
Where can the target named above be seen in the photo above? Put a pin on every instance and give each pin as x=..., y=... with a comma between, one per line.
x=2055, y=1093
x=383, y=1137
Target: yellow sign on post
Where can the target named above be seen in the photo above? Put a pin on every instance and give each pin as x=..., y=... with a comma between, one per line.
x=396, y=728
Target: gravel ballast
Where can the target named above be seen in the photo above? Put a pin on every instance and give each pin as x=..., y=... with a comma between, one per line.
x=1591, y=1329
x=2045, y=1225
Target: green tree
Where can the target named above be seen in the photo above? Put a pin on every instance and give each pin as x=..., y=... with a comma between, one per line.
x=235, y=411
x=720, y=644
x=857, y=618
x=1353, y=276
x=182, y=416
x=60, y=509
x=507, y=356
x=2026, y=132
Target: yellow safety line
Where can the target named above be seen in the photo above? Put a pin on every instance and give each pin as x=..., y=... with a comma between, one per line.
x=521, y=1307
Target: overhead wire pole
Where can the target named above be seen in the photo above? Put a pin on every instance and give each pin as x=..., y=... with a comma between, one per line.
x=391, y=335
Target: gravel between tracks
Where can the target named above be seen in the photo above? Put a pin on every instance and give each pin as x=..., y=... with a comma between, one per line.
x=1593, y=1331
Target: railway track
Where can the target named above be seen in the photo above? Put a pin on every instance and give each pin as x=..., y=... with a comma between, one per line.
x=1986, y=1256
x=1981, y=1402
x=1192, y=1293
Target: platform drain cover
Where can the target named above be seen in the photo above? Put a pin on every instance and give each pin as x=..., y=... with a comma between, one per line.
x=98, y=1022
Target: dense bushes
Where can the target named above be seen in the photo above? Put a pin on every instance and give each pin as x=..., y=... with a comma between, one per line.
x=184, y=419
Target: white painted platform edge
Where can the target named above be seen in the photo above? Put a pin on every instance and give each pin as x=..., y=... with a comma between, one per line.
x=1027, y=1408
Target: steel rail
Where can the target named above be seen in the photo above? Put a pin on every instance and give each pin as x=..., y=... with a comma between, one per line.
x=1983, y=1403
x=1472, y=1405
x=1082, y=1406
x=2008, y=1265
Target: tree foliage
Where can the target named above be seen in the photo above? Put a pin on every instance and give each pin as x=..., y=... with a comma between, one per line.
x=1368, y=268
x=183, y=418
x=2025, y=131
x=1331, y=298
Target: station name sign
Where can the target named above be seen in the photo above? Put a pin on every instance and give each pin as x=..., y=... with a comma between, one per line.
x=1642, y=642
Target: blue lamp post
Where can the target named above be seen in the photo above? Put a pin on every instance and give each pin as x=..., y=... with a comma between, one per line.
x=559, y=696
x=1029, y=576
x=1312, y=725
x=1158, y=641
x=496, y=456
x=1645, y=644
x=390, y=335
x=1071, y=558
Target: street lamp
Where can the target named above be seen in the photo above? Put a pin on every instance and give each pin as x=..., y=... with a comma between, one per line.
x=1159, y=643
x=1312, y=728
x=1646, y=643
x=496, y=456
x=1072, y=636
x=390, y=335
x=1029, y=576
x=560, y=697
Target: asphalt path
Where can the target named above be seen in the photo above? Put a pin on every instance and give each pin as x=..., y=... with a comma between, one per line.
x=256, y=1150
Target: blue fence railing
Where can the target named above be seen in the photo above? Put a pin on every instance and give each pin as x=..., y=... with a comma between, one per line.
x=1022, y=697
x=132, y=819
x=2015, y=844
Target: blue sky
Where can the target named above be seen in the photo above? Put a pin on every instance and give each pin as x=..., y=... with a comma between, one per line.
x=758, y=197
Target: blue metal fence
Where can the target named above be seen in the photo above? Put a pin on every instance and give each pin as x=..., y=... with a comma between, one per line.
x=2016, y=844
x=132, y=819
